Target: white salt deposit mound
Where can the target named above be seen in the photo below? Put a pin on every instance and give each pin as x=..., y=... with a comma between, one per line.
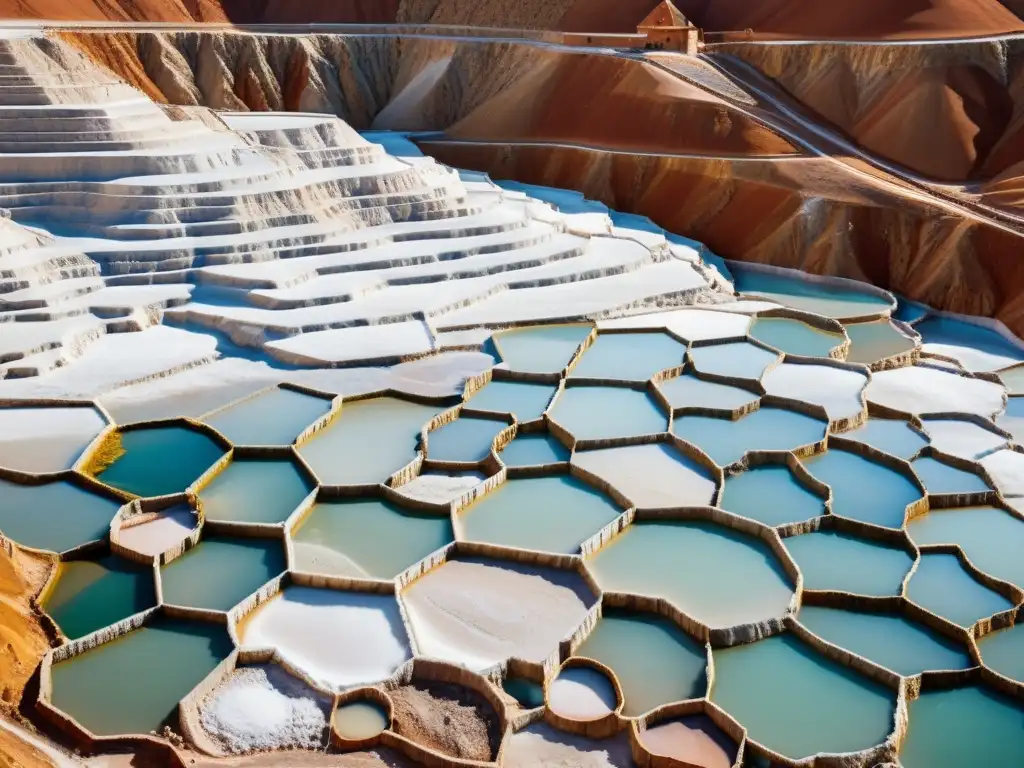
x=263, y=708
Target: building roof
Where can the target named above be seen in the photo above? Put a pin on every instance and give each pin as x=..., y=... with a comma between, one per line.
x=664, y=15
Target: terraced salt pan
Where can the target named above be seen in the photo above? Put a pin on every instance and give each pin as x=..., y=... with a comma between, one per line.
x=478, y=612
x=63, y=516
x=739, y=359
x=943, y=478
x=794, y=337
x=962, y=438
x=689, y=391
x=540, y=744
x=597, y=413
x=693, y=740
x=274, y=418
x=871, y=342
x=219, y=573
x=527, y=401
x=690, y=324
x=766, y=429
x=837, y=390
x=770, y=494
x=1006, y=468
x=864, y=490
x=891, y=436
x=976, y=348
x=581, y=694
x=255, y=491
x=161, y=460
x=941, y=585
x=919, y=389
x=466, y=439
x=1012, y=420
x=817, y=298
x=90, y=595
x=546, y=349
x=841, y=562
x=629, y=356
x=651, y=476
x=440, y=487
x=990, y=537
x=339, y=639
x=160, y=532
x=533, y=450
x=46, y=439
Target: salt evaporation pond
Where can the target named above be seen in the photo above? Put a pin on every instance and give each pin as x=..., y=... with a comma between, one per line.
x=766, y=429
x=93, y=594
x=366, y=538
x=1003, y=651
x=799, y=703
x=368, y=442
x=892, y=436
x=963, y=726
x=991, y=538
x=152, y=535
x=552, y=514
x=770, y=494
x=218, y=573
x=692, y=740
x=46, y=439
x=534, y=449
x=841, y=562
x=117, y=688
x=653, y=659
x=161, y=460
x=874, y=341
x=255, y=491
x=56, y=516
x=275, y=417
x=652, y=475
x=817, y=298
x=941, y=585
x=889, y=640
x=689, y=391
x=739, y=359
x=360, y=720
x=794, y=337
x=973, y=346
x=581, y=693
x=540, y=349
x=466, y=439
x=339, y=639
x=629, y=356
x=527, y=401
x=712, y=573
x=862, y=489
x=528, y=693
x=938, y=477
x=599, y=413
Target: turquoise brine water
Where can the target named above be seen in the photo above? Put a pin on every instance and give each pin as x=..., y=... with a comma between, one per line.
x=941, y=585
x=863, y=490
x=766, y=429
x=1003, y=651
x=133, y=684
x=255, y=491
x=977, y=348
x=653, y=659
x=739, y=359
x=161, y=460
x=217, y=574
x=942, y=478
x=594, y=413
x=891, y=641
x=276, y=417
x=540, y=349
x=770, y=494
x=54, y=516
x=551, y=514
x=534, y=449
x=799, y=703
x=891, y=436
x=688, y=390
x=826, y=300
x=366, y=538
x=676, y=560
x=527, y=401
x=840, y=562
x=529, y=694
x=90, y=595
x=871, y=342
x=465, y=439
x=360, y=720
x=368, y=442
x=794, y=337
x=961, y=727
x=629, y=356
x=991, y=538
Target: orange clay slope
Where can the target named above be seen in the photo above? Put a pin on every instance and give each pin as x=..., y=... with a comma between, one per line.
x=114, y=10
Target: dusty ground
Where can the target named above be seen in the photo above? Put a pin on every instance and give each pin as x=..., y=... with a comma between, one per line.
x=450, y=719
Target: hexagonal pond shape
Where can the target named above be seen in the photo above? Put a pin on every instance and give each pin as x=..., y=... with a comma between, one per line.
x=597, y=413
x=712, y=573
x=526, y=400
x=770, y=494
x=551, y=514
x=466, y=439
x=540, y=349
x=939, y=477
x=133, y=684
x=797, y=702
x=581, y=693
x=959, y=437
x=369, y=441
x=739, y=359
x=891, y=641
x=366, y=538
x=275, y=417
x=534, y=449
x=478, y=612
x=46, y=439
x=653, y=659
x=92, y=594
x=920, y=389
x=941, y=585
x=794, y=337
x=159, y=532
x=629, y=356
x=963, y=726
x=651, y=476
x=862, y=489
x=830, y=560
x=688, y=390
x=255, y=491
x=158, y=461
x=1003, y=651
x=874, y=341
x=692, y=740
x=339, y=639
x=55, y=516
x=891, y=436
x=219, y=573
x=766, y=429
